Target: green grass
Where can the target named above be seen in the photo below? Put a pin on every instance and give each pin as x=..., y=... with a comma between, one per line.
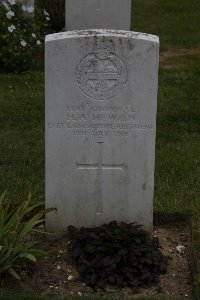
x=22, y=135
x=175, y=22
x=178, y=141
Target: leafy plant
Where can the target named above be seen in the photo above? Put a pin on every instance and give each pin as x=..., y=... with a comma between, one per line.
x=21, y=37
x=56, y=9
x=118, y=254
x=14, y=228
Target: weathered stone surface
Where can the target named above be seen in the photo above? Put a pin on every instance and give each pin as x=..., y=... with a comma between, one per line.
x=101, y=100
x=94, y=14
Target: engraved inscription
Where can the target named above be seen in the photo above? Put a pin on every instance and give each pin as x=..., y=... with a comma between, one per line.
x=102, y=74
x=100, y=166
x=100, y=121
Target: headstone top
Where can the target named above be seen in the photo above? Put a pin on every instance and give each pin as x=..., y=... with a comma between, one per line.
x=102, y=33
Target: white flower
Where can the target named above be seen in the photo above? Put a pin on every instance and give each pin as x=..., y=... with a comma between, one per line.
x=10, y=14
x=24, y=7
x=70, y=277
x=30, y=9
x=45, y=13
x=34, y=35
x=11, y=28
x=23, y=43
x=12, y=2
x=58, y=267
x=38, y=43
x=47, y=19
x=5, y=5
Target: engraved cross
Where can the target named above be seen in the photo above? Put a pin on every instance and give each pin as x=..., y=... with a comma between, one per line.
x=99, y=167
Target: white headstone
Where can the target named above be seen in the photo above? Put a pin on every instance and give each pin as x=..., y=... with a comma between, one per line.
x=101, y=100
x=88, y=14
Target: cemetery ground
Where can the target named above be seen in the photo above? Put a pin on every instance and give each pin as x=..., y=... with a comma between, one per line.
x=177, y=163
x=177, y=190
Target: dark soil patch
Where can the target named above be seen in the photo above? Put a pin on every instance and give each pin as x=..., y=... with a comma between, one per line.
x=121, y=255
x=57, y=275
x=180, y=51
x=166, y=56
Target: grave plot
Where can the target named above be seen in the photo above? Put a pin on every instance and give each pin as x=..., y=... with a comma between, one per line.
x=56, y=274
x=101, y=100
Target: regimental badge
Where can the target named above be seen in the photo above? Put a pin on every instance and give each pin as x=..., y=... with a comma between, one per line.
x=102, y=74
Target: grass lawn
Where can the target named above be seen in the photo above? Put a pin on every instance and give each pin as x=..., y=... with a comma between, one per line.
x=177, y=187
x=175, y=22
x=22, y=135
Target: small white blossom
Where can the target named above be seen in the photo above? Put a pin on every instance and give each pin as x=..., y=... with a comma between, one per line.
x=30, y=9
x=24, y=7
x=12, y=2
x=38, y=43
x=45, y=13
x=58, y=267
x=23, y=43
x=6, y=5
x=47, y=19
x=10, y=14
x=33, y=35
x=11, y=28
x=70, y=277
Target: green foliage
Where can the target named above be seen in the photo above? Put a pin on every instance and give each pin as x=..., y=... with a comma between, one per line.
x=56, y=9
x=13, y=231
x=21, y=37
